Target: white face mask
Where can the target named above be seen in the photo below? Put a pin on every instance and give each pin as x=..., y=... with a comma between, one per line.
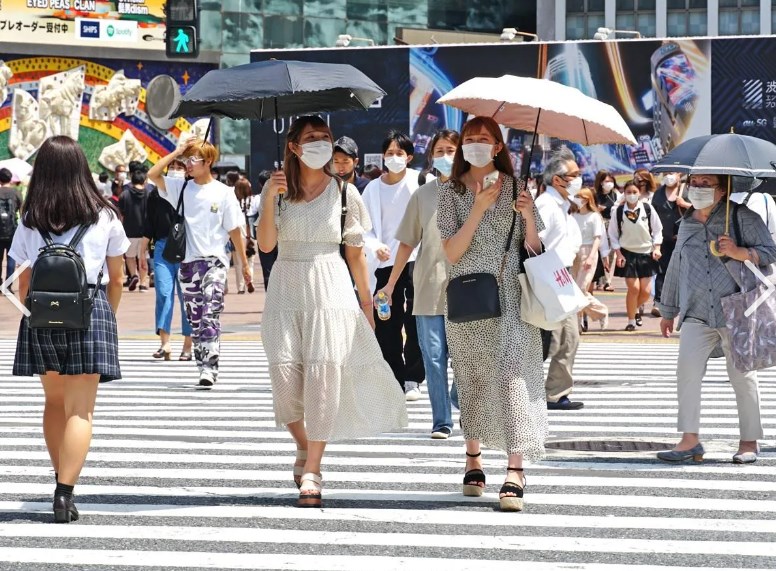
x=574, y=186
x=444, y=164
x=580, y=202
x=608, y=186
x=121, y=177
x=670, y=180
x=701, y=197
x=478, y=154
x=395, y=164
x=632, y=199
x=176, y=174
x=317, y=154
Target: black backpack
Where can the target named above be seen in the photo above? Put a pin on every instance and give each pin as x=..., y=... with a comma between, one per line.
x=59, y=295
x=7, y=219
x=621, y=212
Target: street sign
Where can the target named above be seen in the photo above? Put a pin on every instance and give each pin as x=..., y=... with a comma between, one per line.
x=182, y=41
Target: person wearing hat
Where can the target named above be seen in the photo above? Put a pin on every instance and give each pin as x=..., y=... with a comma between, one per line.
x=345, y=163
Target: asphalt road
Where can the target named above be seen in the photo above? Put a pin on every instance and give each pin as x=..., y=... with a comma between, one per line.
x=184, y=479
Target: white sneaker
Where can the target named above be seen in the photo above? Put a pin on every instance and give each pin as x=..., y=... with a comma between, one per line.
x=411, y=391
x=206, y=379
x=440, y=434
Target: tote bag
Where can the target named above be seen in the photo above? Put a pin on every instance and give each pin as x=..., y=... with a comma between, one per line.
x=553, y=286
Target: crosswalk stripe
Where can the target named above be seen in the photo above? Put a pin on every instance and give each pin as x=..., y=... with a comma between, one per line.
x=159, y=445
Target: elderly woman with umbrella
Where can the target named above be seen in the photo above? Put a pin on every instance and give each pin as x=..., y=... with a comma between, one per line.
x=698, y=277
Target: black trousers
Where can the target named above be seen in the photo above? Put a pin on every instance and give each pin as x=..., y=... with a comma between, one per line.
x=267, y=260
x=402, y=355
x=667, y=249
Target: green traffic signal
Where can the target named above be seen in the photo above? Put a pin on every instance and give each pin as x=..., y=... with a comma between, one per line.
x=182, y=41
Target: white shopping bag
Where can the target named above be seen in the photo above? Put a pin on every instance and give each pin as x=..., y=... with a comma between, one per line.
x=554, y=286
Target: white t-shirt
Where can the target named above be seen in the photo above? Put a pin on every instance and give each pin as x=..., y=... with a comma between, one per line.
x=211, y=211
x=389, y=207
x=591, y=226
x=104, y=239
x=761, y=203
x=561, y=233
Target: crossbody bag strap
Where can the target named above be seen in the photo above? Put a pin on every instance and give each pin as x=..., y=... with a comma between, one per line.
x=343, y=214
x=181, y=207
x=511, y=230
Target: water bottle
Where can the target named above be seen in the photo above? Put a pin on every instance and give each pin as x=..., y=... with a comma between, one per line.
x=383, y=308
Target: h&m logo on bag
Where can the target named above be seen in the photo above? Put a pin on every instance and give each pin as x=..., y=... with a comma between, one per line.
x=562, y=277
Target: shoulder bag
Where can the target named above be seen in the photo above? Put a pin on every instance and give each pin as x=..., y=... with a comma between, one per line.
x=473, y=297
x=175, y=248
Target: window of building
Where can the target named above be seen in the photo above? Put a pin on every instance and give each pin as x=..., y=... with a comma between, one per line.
x=638, y=16
x=583, y=18
x=739, y=17
x=687, y=18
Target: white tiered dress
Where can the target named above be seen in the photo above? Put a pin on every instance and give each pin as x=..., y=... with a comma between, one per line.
x=325, y=364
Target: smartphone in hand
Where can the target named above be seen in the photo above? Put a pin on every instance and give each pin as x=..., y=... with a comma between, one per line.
x=490, y=179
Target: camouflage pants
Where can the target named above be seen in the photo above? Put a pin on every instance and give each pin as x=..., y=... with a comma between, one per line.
x=203, y=283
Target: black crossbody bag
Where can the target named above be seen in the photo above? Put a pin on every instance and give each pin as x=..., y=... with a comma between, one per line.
x=472, y=297
x=175, y=247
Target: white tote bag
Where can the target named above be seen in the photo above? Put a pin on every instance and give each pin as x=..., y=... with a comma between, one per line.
x=531, y=309
x=554, y=287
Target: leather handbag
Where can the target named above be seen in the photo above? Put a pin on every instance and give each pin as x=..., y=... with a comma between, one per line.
x=475, y=296
x=175, y=247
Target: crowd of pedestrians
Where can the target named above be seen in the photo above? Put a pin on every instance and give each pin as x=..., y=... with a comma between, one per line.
x=332, y=243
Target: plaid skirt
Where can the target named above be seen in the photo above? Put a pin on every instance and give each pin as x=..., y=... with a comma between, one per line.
x=70, y=352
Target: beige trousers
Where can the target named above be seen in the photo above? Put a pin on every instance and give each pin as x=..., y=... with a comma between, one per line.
x=695, y=345
x=238, y=268
x=584, y=277
x=563, y=352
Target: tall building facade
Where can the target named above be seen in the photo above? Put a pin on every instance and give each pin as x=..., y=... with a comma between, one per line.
x=560, y=20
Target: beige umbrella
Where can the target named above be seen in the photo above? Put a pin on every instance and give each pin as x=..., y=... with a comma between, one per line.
x=541, y=106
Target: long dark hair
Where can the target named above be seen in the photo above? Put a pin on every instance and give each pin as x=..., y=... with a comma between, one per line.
x=291, y=161
x=62, y=193
x=502, y=160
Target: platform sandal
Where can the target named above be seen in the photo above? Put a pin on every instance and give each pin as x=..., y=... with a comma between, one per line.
x=474, y=480
x=310, y=491
x=512, y=503
x=301, y=456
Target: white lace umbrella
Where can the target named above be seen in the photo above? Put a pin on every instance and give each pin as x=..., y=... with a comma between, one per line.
x=541, y=106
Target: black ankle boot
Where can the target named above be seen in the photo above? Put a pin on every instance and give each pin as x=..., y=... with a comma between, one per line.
x=64, y=509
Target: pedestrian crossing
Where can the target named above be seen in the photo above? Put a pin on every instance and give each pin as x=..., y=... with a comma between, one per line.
x=184, y=479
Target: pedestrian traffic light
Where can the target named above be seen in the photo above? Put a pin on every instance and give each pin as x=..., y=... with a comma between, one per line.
x=181, y=38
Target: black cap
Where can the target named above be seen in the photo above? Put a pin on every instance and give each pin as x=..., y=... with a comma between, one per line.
x=347, y=146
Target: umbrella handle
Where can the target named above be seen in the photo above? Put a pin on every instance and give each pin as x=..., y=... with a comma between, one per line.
x=713, y=243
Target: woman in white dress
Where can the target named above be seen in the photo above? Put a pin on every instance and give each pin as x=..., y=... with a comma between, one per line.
x=329, y=378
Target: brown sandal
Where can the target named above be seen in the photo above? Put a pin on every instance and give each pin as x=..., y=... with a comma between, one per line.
x=185, y=356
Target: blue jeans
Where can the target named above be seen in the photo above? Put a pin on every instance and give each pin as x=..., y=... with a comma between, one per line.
x=433, y=347
x=165, y=280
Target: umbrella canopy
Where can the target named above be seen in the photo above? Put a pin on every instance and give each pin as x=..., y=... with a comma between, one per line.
x=275, y=88
x=19, y=169
x=541, y=106
x=728, y=153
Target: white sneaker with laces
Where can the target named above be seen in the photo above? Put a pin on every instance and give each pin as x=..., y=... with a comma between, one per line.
x=411, y=391
x=206, y=379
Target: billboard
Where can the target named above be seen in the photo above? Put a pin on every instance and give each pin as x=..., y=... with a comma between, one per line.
x=137, y=24
x=662, y=88
x=117, y=109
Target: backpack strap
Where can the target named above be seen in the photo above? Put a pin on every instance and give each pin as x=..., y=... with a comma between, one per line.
x=46, y=237
x=620, y=213
x=648, y=211
x=748, y=196
x=78, y=236
x=736, y=225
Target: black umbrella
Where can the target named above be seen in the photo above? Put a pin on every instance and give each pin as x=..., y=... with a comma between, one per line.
x=729, y=153
x=275, y=88
x=725, y=154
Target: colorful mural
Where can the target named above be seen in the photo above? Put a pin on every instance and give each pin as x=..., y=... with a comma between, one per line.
x=101, y=102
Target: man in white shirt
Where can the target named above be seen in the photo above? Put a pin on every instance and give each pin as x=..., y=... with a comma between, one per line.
x=386, y=199
x=563, y=180
x=760, y=202
x=212, y=216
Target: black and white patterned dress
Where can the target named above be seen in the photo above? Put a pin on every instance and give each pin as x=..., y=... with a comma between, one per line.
x=497, y=362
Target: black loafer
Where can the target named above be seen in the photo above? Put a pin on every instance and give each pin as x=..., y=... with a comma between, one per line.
x=64, y=510
x=564, y=404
